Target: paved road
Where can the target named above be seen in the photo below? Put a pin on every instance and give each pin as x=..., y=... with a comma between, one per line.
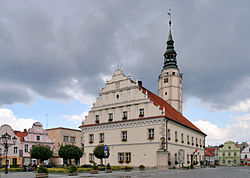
x=219, y=172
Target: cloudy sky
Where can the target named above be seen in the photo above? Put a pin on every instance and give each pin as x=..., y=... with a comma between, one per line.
x=55, y=55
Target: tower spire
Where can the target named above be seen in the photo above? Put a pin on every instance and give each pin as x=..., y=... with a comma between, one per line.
x=170, y=54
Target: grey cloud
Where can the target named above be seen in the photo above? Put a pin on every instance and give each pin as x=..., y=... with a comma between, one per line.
x=44, y=46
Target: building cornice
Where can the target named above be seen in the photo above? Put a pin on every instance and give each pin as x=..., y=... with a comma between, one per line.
x=124, y=124
x=120, y=104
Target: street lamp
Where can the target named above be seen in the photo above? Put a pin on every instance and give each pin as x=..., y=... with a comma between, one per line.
x=4, y=141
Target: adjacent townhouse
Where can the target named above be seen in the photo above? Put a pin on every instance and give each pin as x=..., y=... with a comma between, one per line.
x=62, y=136
x=229, y=154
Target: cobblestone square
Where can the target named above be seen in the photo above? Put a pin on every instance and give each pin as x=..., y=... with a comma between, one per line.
x=218, y=172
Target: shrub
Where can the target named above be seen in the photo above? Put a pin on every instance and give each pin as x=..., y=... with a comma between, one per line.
x=108, y=166
x=57, y=170
x=42, y=169
x=94, y=165
x=128, y=168
x=142, y=166
x=72, y=168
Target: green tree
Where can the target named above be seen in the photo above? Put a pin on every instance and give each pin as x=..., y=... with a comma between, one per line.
x=41, y=152
x=99, y=152
x=68, y=152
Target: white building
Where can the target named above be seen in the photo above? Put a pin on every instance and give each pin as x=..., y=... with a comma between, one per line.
x=141, y=127
x=245, y=153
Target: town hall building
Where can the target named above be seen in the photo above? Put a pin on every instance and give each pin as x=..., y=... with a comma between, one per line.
x=141, y=127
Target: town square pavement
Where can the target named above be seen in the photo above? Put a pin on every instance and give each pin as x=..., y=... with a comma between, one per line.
x=218, y=172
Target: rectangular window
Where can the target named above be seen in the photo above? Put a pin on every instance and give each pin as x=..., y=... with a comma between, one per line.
x=124, y=136
x=173, y=73
x=91, y=138
x=26, y=148
x=223, y=154
x=128, y=157
x=65, y=138
x=235, y=153
x=101, y=137
x=151, y=133
x=196, y=141
x=188, y=140
x=229, y=153
x=141, y=112
x=37, y=137
x=165, y=80
x=245, y=156
x=72, y=139
x=15, y=150
x=166, y=93
x=182, y=139
x=175, y=157
x=110, y=117
x=91, y=157
x=176, y=137
x=125, y=115
x=200, y=143
x=169, y=136
x=192, y=140
x=97, y=119
x=121, y=157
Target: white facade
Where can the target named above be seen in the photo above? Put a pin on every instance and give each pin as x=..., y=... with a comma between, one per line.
x=170, y=87
x=245, y=153
x=135, y=123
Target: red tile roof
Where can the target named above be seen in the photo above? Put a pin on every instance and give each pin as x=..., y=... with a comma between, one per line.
x=21, y=134
x=211, y=149
x=170, y=112
x=208, y=153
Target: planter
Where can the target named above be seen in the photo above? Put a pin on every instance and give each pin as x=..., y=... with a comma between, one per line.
x=73, y=174
x=41, y=175
x=127, y=170
x=108, y=171
x=95, y=171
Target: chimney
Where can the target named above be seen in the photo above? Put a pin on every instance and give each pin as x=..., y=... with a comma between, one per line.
x=140, y=83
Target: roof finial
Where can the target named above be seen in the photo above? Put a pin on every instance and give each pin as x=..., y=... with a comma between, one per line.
x=169, y=13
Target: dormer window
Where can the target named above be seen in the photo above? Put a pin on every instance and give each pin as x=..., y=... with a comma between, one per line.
x=110, y=117
x=141, y=112
x=97, y=119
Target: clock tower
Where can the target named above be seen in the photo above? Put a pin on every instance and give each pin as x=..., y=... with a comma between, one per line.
x=170, y=79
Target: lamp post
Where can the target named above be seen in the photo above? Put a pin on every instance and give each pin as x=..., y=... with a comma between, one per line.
x=4, y=141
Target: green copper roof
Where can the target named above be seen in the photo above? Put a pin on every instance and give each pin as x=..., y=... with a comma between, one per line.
x=170, y=38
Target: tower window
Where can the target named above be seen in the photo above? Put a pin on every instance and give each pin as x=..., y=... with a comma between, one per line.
x=166, y=93
x=173, y=73
x=165, y=80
